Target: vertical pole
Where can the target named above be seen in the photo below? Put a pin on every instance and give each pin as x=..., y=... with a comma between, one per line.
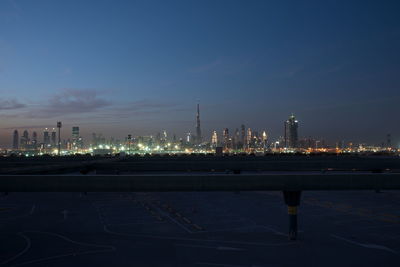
x=292, y=200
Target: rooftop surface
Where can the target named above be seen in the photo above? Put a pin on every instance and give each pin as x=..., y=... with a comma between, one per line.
x=349, y=228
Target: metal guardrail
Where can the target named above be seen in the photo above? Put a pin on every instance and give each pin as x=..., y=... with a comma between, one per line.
x=199, y=182
x=163, y=164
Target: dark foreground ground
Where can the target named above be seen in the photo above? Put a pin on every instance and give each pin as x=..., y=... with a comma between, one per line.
x=198, y=229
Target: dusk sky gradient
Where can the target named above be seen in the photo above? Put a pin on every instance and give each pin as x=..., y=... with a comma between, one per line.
x=139, y=67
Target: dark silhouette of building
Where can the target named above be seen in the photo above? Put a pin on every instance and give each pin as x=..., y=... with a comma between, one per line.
x=34, y=140
x=243, y=139
x=225, y=136
x=24, y=140
x=198, y=129
x=53, y=138
x=46, y=137
x=236, y=139
x=248, y=138
x=291, y=135
x=16, y=140
x=75, y=137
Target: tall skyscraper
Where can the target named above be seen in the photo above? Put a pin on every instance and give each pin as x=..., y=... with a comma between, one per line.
x=225, y=136
x=214, y=139
x=24, y=140
x=248, y=138
x=189, y=137
x=264, y=139
x=53, y=138
x=46, y=137
x=75, y=132
x=16, y=140
x=291, y=135
x=165, y=136
x=94, y=139
x=76, y=143
x=236, y=139
x=243, y=139
x=34, y=140
x=198, y=129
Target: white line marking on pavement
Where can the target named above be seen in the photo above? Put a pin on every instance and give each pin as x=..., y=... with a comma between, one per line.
x=106, y=248
x=365, y=245
x=20, y=216
x=28, y=246
x=198, y=240
x=175, y=221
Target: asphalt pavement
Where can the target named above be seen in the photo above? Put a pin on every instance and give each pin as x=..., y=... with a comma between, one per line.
x=346, y=228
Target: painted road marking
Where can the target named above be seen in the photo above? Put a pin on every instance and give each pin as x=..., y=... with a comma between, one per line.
x=105, y=228
x=99, y=249
x=365, y=245
x=175, y=221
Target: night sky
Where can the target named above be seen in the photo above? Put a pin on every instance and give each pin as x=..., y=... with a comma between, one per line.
x=139, y=67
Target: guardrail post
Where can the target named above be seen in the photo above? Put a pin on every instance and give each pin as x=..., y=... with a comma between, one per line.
x=292, y=200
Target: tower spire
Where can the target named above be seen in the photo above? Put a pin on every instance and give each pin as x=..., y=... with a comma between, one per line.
x=198, y=129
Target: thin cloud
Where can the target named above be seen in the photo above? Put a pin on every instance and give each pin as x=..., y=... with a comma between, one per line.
x=72, y=101
x=147, y=105
x=10, y=104
x=29, y=127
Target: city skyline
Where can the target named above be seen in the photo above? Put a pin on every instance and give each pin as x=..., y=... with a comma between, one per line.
x=245, y=139
x=141, y=70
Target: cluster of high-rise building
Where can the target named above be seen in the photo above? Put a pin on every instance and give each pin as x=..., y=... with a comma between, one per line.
x=49, y=141
x=27, y=142
x=239, y=140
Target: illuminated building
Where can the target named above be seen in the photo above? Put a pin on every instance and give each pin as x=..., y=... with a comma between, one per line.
x=16, y=140
x=248, y=138
x=264, y=138
x=214, y=139
x=225, y=136
x=291, y=136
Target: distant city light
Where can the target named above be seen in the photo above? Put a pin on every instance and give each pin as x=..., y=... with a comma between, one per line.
x=241, y=140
